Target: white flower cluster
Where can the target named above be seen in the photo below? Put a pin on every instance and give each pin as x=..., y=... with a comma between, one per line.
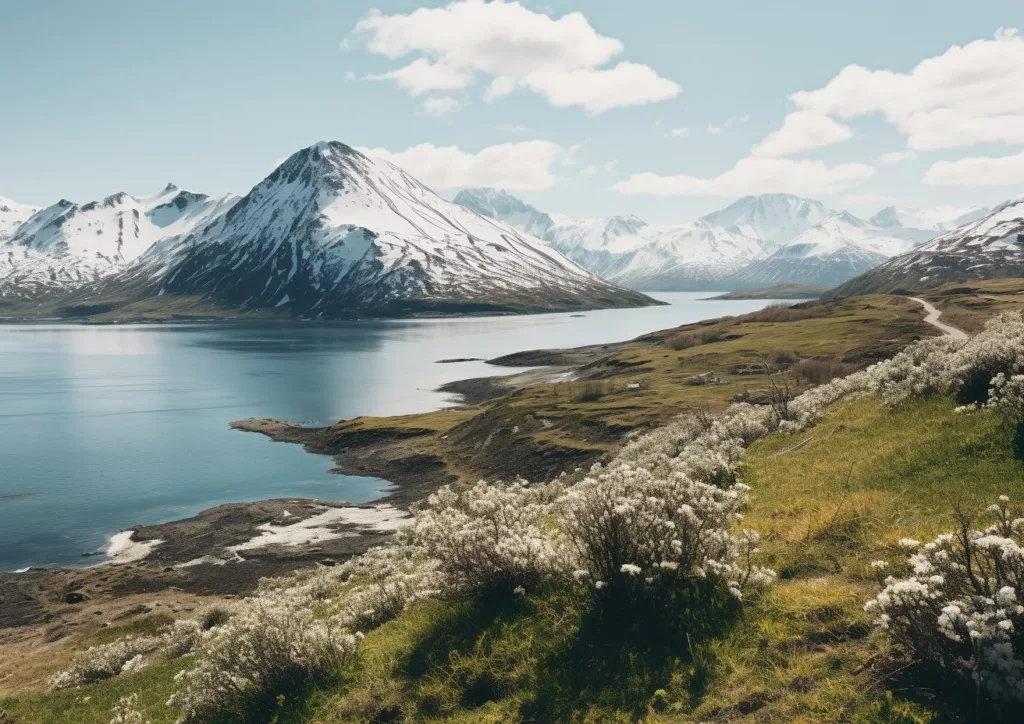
x=627, y=526
x=266, y=646
x=1006, y=394
x=127, y=654
x=382, y=582
x=126, y=710
x=960, y=610
x=106, y=660
x=486, y=537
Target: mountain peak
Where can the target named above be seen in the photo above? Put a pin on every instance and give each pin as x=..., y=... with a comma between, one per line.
x=887, y=218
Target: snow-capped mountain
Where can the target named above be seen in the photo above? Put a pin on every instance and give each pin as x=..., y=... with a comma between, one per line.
x=496, y=204
x=830, y=252
x=627, y=250
x=991, y=247
x=67, y=245
x=937, y=219
x=334, y=233
x=13, y=215
x=773, y=219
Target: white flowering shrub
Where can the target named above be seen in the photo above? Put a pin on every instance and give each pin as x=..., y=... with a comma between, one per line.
x=383, y=582
x=181, y=638
x=126, y=711
x=266, y=648
x=486, y=537
x=960, y=611
x=997, y=349
x=626, y=527
x=106, y=660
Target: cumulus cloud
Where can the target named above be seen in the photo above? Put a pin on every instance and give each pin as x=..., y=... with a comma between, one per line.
x=421, y=76
x=802, y=131
x=564, y=60
x=977, y=171
x=522, y=166
x=970, y=94
x=438, y=106
x=753, y=175
x=897, y=157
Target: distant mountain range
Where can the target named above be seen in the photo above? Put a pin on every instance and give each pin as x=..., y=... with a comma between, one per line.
x=757, y=241
x=987, y=248
x=333, y=233
x=330, y=233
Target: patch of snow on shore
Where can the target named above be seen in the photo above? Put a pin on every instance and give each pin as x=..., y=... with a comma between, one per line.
x=320, y=527
x=122, y=549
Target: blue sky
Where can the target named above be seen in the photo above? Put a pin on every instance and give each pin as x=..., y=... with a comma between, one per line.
x=126, y=95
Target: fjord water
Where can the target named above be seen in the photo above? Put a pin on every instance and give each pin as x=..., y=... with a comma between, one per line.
x=106, y=427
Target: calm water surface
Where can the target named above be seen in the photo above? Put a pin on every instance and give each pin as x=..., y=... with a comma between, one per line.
x=103, y=428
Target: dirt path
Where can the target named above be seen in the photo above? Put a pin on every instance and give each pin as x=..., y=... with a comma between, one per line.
x=932, y=318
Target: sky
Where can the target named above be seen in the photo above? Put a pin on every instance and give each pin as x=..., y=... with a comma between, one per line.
x=661, y=108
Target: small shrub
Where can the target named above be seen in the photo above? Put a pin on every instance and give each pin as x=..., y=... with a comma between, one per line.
x=215, y=615
x=629, y=529
x=959, y=613
x=782, y=357
x=821, y=371
x=486, y=537
x=266, y=649
x=695, y=338
x=106, y=660
x=181, y=637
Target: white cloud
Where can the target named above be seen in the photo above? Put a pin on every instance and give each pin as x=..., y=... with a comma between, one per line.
x=421, y=76
x=565, y=59
x=977, y=171
x=753, y=175
x=802, y=131
x=897, y=157
x=680, y=132
x=438, y=106
x=522, y=166
x=715, y=130
x=970, y=94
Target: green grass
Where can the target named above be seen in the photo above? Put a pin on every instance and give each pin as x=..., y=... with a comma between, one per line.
x=92, y=704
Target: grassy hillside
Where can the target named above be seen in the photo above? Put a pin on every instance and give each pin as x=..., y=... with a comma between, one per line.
x=827, y=502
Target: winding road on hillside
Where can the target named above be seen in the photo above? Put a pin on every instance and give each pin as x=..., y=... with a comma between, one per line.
x=932, y=318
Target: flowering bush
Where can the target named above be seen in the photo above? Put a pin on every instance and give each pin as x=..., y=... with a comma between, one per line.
x=266, y=648
x=486, y=537
x=960, y=609
x=626, y=526
x=181, y=637
x=106, y=660
x=383, y=582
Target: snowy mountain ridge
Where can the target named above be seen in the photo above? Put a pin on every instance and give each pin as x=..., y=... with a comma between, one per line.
x=990, y=247
x=755, y=241
x=13, y=215
x=63, y=246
